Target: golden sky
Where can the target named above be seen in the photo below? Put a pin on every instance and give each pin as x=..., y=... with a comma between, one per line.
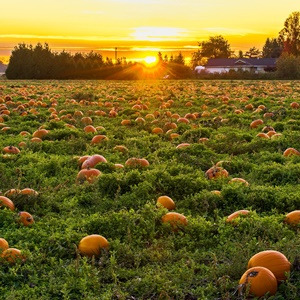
x=158, y=24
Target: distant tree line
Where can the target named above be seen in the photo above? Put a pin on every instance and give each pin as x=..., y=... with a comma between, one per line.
x=40, y=62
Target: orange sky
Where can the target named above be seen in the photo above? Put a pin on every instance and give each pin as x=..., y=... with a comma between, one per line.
x=133, y=25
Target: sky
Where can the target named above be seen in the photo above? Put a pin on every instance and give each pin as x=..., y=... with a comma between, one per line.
x=139, y=27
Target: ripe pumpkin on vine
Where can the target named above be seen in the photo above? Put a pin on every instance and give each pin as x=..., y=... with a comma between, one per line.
x=216, y=172
x=175, y=220
x=12, y=255
x=89, y=175
x=275, y=261
x=25, y=218
x=11, y=150
x=165, y=201
x=91, y=245
x=258, y=281
x=293, y=218
x=4, y=201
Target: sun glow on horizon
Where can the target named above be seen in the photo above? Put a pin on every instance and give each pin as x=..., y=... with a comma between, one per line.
x=150, y=60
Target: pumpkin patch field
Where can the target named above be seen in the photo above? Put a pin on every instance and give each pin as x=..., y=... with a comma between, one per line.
x=150, y=190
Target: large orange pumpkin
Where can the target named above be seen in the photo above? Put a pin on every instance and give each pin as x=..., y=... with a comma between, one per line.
x=3, y=245
x=25, y=218
x=256, y=123
x=93, y=161
x=91, y=245
x=99, y=138
x=4, y=201
x=29, y=191
x=40, y=133
x=258, y=281
x=237, y=214
x=290, y=152
x=239, y=180
x=293, y=218
x=216, y=172
x=275, y=261
x=11, y=150
x=166, y=202
x=12, y=255
x=175, y=220
x=88, y=174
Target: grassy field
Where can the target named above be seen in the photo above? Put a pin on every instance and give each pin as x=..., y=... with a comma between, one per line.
x=146, y=258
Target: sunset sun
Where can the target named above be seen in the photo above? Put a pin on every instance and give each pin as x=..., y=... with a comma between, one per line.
x=149, y=60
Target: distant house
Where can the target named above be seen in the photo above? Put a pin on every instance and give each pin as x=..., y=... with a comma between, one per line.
x=255, y=65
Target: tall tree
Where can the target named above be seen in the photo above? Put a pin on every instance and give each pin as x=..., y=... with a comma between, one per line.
x=215, y=47
x=253, y=52
x=179, y=59
x=289, y=36
x=272, y=48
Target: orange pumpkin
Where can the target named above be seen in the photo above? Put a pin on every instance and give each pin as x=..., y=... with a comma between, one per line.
x=239, y=180
x=157, y=130
x=166, y=202
x=25, y=218
x=256, y=123
x=136, y=162
x=290, y=152
x=216, y=172
x=263, y=135
x=12, y=255
x=295, y=105
x=275, y=261
x=293, y=218
x=88, y=174
x=183, y=120
x=90, y=128
x=175, y=220
x=183, y=145
x=11, y=150
x=92, y=161
x=36, y=140
x=125, y=122
x=91, y=245
x=3, y=245
x=87, y=120
x=258, y=281
x=98, y=139
x=236, y=215
x=29, y=191
x=40, y=133
x=4, y=201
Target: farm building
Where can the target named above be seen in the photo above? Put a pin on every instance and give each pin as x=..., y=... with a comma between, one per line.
x=256, y=65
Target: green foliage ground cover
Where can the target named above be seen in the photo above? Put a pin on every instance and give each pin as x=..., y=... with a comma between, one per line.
x=147, y=260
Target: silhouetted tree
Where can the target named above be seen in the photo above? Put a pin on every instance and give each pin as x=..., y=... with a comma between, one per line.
x=253, y=53
x=272, y=48
x=179, y=59
x=289, y=36
x=215, y=47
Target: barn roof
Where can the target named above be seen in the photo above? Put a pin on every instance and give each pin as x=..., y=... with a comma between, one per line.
x=231, y=62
